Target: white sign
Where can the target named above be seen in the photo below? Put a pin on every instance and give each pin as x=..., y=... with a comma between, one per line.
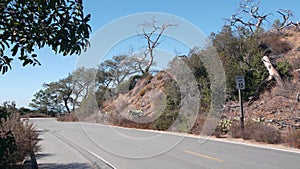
x=240, y=82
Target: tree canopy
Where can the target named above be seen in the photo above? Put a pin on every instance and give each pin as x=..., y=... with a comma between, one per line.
x=29, y=25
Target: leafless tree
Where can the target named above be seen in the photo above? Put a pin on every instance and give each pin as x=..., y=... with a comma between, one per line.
x=253, y=19
x=152, y=32
x=286, y=15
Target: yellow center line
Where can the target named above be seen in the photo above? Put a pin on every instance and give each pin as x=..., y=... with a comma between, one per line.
x=204, y=156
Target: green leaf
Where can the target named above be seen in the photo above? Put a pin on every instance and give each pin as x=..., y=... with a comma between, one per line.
x=27, y=61
x=15, y=50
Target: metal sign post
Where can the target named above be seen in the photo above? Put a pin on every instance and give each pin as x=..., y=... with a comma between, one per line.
x=240, y=85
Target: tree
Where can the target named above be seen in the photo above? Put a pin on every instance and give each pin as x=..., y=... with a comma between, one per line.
x=252, y=48
x=40, y=102
x=27, y=25
x=7, y=109
x=286, y=15
x=152, y=32
x=54, y=97
x=83, y=82
x=241, y=55
x=253, y=19
x=61, y=91
x=88, y=106
x=250, y=17
x=69, y=91
x=114, y=71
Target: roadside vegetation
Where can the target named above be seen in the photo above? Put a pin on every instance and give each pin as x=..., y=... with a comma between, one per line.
x=18, y=139
x=126, y=90
x=25, y=27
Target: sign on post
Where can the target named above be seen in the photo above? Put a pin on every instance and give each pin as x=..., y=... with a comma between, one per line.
x=240, y=82
x=240, y=85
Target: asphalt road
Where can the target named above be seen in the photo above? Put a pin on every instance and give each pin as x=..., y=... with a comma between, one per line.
x=101, y=146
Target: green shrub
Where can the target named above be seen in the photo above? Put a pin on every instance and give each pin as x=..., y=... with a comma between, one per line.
x=284, y=69
x=165, y=120
x=170, y=113
x=7, y=148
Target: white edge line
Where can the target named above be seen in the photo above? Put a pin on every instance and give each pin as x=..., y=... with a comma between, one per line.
x=96, y=155
x=208, y=138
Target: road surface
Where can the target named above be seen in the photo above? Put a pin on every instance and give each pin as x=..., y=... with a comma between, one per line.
x=90, y=145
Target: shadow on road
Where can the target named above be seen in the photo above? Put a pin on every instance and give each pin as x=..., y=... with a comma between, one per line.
x=42, y=155
x=65, y=166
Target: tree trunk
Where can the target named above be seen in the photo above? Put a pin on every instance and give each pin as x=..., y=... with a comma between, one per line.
x=66, y=104
x=150, y=62
x=272, y=74
x=272, y=71
x=296, y=74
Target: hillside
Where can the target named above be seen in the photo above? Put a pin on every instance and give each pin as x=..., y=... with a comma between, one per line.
x=143, y=103
x=278, y=106
x=154, y=102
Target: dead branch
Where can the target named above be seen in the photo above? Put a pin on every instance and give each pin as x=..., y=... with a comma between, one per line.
x=286, y=14
x=252, y=10
x=272, y=71
x=296, y=74
x=296, y=24
x=152, y=40
x=273, y=74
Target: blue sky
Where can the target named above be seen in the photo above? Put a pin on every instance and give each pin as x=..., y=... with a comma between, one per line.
x=21, y=83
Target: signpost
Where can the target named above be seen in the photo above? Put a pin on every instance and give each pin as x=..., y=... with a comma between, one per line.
x=240, y=85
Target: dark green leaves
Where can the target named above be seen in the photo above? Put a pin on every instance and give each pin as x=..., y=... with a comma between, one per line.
x=29, y=25
x=5, y=64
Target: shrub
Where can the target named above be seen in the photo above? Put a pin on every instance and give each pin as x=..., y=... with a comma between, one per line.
x=267, y=134
x=293, y=138
x=284, y=69
x=223, y=127
x=7, y=147
x=21, y=139
x=170, y=113
x=273, y=41
x=236, y=132
x=258, y=132
x=218, y=132
x=164, y=121
x=199, y=123
x=69, y=117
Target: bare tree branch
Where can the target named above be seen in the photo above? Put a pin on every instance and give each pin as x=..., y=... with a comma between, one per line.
x=248, y=7
x=286, y=14
x=152, y=40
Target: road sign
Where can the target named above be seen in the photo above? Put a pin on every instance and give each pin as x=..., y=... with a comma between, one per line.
x=240, y=85
x=240, y=82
